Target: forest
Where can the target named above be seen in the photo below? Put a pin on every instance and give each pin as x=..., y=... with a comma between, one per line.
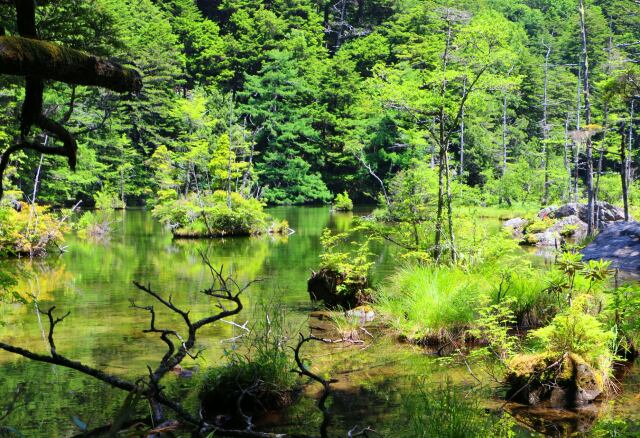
x=303, y=218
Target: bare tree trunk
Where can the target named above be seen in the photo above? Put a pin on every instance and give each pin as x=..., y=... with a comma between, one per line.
x=437, y=249
x=623, y=173
x=452, y=240
x=464, y=92
x=442, y=152
x=373, y=174
x=230, y=151
x=576, y=155
x=600, y=161
x=545, y=128
x=587, y=117
x=504, y=134
x=629, y=157
x=567, y=167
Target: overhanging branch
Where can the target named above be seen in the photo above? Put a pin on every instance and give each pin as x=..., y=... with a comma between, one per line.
x=21, y=56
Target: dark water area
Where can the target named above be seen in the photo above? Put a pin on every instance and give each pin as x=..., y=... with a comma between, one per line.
x=94, y=280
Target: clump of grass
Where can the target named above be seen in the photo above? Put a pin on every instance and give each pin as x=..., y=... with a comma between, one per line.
x=258, y=375
x=430, y=305
x=530, y=300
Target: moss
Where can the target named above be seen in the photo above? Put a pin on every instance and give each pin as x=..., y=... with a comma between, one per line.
x=539, y=225
x=568, y=230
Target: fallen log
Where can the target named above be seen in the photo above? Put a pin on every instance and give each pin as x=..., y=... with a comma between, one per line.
x=21, y=56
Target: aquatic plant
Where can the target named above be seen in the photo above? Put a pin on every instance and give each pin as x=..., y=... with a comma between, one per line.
x=443, y=410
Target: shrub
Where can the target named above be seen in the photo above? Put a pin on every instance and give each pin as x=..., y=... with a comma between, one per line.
x=93, y=226
x=538, y=225
x=343, y=278
x=343, y=202
x=280, y=227
x=31, y=231
x=577, y=330
x=210, y=216
x=107, y=200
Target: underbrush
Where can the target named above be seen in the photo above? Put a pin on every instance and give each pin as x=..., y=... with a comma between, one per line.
x=94, y=226
x=431, y=305
x=504, y=213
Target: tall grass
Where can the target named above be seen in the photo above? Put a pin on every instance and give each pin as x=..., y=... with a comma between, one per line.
x=430, y=304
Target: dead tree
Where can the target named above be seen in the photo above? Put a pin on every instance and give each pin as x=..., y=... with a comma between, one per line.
x=37, y=61
x=587, y=117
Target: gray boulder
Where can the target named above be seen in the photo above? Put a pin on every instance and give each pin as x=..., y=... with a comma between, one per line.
x=604, y=211
x=567, y=227
x=619, y=243
x=517, y=224
x=570, y=226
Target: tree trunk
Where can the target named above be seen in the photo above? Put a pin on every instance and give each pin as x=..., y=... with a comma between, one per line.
x=504, y=134
x=567, y=167
x=437, y=248
x=545, y=128
x=587, y=117
x=230, y=151
x=629, y=151
x=623, y=173
x=600, y=162
x=464, y=92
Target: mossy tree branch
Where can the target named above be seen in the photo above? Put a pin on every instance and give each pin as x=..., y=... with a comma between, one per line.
x=44, y=60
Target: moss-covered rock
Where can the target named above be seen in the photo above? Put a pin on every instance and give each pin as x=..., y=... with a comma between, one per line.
x=557, y=381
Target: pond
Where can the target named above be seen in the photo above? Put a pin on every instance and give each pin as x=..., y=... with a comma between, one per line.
x=95, y=282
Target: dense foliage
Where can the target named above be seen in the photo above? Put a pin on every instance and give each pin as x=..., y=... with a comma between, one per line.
x=295, y=102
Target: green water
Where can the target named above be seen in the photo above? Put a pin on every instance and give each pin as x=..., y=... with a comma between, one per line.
x=95, y=282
